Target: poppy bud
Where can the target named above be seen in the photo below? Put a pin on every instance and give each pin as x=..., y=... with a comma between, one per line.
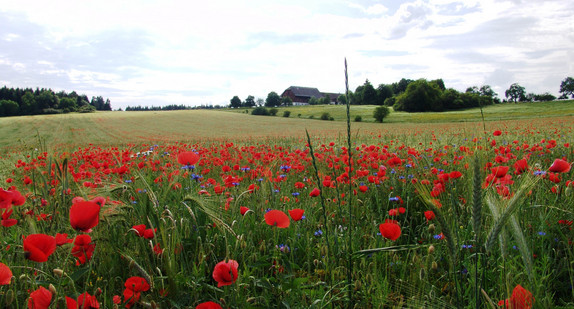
x=431, y=228
x=9, y=297
x=58, y=272
x=434, y=265
x=98, y=292
x=316, y=262
x=431, y=249
x=52, y=289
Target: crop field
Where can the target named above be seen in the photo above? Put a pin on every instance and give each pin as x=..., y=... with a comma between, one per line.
x=221, y=209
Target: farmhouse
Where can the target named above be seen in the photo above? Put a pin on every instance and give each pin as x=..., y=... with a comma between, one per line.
x=302, y=95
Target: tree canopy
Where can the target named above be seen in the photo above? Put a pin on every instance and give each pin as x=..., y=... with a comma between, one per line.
x=28, y=101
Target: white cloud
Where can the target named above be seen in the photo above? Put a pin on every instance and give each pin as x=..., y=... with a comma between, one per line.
x=190, y=53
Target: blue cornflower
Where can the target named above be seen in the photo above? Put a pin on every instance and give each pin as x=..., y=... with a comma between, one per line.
x=318, y=233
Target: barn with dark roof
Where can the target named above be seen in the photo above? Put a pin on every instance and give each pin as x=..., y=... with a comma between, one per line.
x=301, y=95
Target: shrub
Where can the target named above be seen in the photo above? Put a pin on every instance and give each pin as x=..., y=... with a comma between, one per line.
x=325, y=116
x=260, y=111
x=273, y=111
x=380, y=113
x=286, y=114
x=358, y=118
x=87, y=109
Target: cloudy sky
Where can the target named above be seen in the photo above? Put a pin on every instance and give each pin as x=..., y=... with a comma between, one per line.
x=151, y=52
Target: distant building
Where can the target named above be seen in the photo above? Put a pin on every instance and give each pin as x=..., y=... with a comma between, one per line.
x=302, y=95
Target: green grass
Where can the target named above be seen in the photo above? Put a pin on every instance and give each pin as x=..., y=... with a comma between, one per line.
x=505, y=111
x=238, y=150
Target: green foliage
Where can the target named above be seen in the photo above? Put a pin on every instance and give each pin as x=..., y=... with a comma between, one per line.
x=342, y=99
x=87, y=109
x=380, y=113
x=358, y=118
x=260, y=111
x=286, y=101
x=249, y=101
x=286, y=114
x=567, y=88
x=235, y=102
x=515, y=93
x=273, y=111
x=326, y=100
x=420, y=96
x=325, y=116
x=273, y=99
x=384, y=92
x=8, y=108
x=313, y=101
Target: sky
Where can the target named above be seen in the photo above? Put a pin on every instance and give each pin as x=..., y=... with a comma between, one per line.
x=151, y=52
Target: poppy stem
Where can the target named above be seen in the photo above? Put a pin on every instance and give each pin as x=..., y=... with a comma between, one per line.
x=350, y=193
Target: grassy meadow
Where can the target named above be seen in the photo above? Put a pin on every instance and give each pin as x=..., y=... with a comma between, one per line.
x=221, y=209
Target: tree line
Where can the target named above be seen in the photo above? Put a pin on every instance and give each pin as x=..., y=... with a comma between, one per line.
x=419, y=96
x=27, y=101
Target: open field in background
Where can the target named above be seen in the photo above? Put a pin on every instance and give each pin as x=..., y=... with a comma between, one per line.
x=504, y=111
x=117, y=128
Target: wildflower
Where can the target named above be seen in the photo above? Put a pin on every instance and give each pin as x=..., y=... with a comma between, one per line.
x=187, y=158
x=390, y=230
x=521, y=298
x=296, y=214
x=315, y=192
x=208, y=305
x=85, y=301
x=243, y=210
x=6, y=221
x=83, y=248
x=225, y=273
x=40, y=299
x=84, y=216
x=134, y=287
x=497, y=133
x=39, y=247
x=559, y=166
x=318, y=233
x=277, y=218
x=5, y=274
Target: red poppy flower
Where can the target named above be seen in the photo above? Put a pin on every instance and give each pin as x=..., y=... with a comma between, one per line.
x=39, y=247
x=390, y=230
x=497, y=133
x=6, y=221
x=139, y=229
x=296, y=214
x=40, y=299
x=499, y=171
x=455, y=174
x=315, y=192
x=429, y=214
x=243, y=210
x=225, y=273
x=134, y=287
x=521, y=298
x=559, y=166
x=187, y=158
x=277, y=218
x=62, y=239
x=83, y=248
x=84, y=216
x=5, y=274
x=520, y=166
x=208, y=305
x=149, y=233
x=299, y=185
x=85, y=301
x=11, y=197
